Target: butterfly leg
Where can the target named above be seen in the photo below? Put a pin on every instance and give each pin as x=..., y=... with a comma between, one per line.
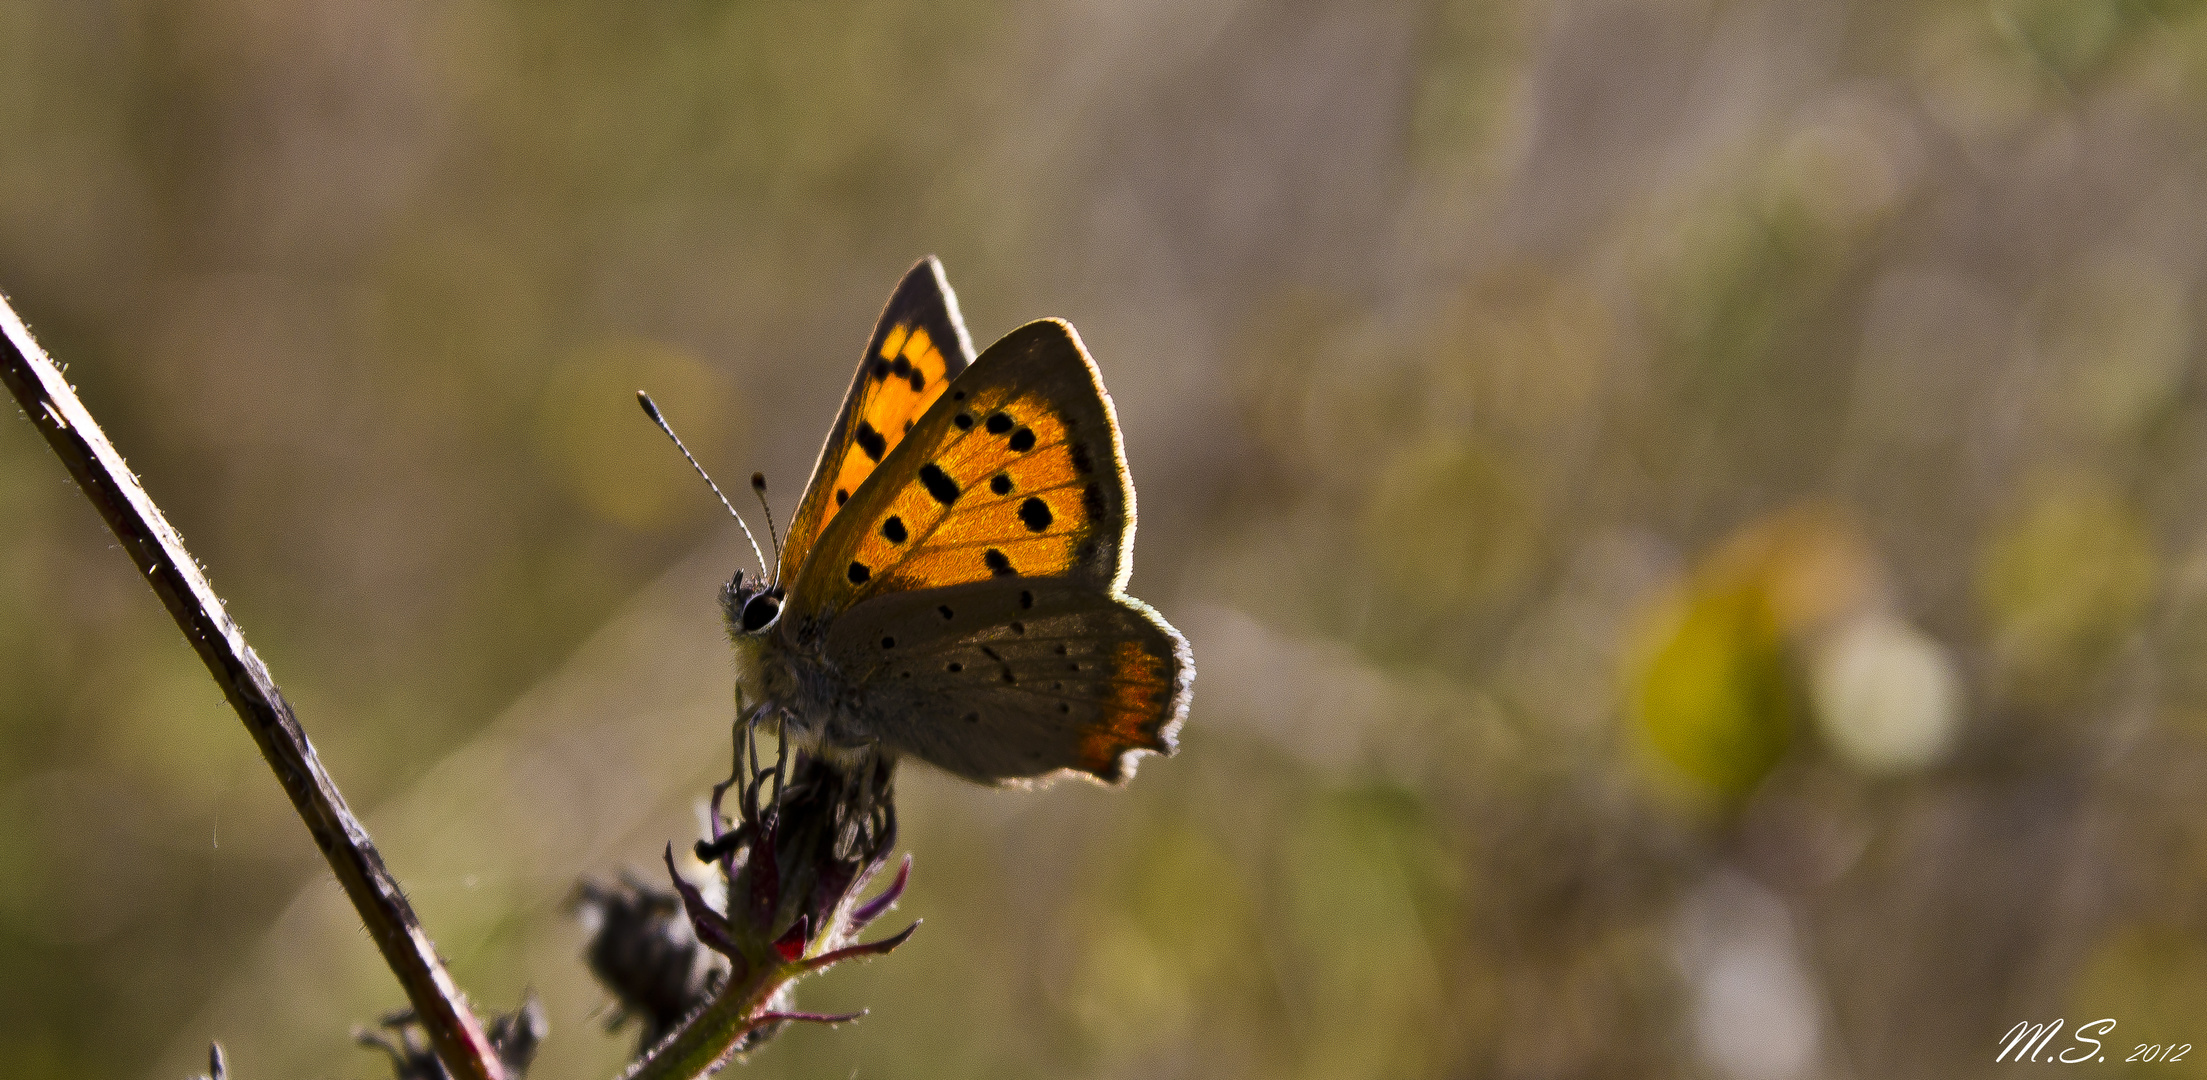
x=746, y=735
x=735, y=768
x=781, y=769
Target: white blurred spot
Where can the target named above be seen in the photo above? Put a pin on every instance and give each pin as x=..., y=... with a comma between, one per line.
x=1886, y=695
x=1755, y=1013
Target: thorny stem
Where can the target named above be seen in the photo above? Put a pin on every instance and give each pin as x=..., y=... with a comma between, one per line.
x=158, y=549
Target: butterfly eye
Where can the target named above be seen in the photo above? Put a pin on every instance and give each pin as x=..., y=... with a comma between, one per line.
x=760, y=611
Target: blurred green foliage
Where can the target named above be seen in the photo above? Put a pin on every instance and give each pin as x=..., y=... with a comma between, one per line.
x=1688, y=513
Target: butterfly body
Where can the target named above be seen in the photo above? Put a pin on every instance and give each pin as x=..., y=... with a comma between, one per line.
x=953, y=584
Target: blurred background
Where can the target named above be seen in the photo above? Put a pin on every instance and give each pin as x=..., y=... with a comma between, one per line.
x=1692, y=516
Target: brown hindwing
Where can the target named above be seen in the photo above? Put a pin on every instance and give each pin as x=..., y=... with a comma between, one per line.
x=1009, y=681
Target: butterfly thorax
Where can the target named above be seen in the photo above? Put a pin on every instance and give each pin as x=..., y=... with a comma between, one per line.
x=784, y=676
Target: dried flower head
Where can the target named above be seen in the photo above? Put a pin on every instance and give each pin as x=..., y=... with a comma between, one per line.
x=515, y=1036
x=805, y=837
x=644, y=952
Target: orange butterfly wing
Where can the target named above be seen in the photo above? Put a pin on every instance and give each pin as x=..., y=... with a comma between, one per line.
x=971, y=589
x=1017, y=471
x=919, y=346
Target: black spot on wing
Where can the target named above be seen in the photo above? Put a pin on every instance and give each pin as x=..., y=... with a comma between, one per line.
x=881, y=370
x=842, y=496
x=893, y=530
x=938, y=483
x=1034, y=514
x=919, y=381
x=1023, y=440
x=873, y=442
x=1000, y=484
x=998, y=423
x=964, y=421
x=998, y=563
x=858, y=573
x=901, y=367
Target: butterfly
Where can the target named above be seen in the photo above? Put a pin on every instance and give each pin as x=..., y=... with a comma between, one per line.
x=952, y=587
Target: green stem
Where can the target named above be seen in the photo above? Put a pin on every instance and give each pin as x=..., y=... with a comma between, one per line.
x=707, y=1039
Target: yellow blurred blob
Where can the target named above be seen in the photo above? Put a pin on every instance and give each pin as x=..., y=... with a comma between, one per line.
x=1358, y=970
x=2072, y=570
x=1713, y=697
x=1714, y=688
x=1525, y=354
x=2120, y=330
x=2152, y=980
x=1852, y=161
x=1448, y=527
x=1132, y=996
x=604, y=450
x=1971, y=77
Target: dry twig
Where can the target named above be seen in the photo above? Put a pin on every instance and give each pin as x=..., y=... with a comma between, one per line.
x=160, y=554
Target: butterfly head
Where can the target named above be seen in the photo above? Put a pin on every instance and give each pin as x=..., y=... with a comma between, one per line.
x=751, y=607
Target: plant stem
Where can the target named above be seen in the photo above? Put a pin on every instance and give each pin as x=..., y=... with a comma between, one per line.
x=159, y=551
x=707, y=1039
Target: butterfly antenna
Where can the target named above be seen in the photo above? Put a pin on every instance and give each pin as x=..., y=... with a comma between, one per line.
x=652, y=411
x=758, y=487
